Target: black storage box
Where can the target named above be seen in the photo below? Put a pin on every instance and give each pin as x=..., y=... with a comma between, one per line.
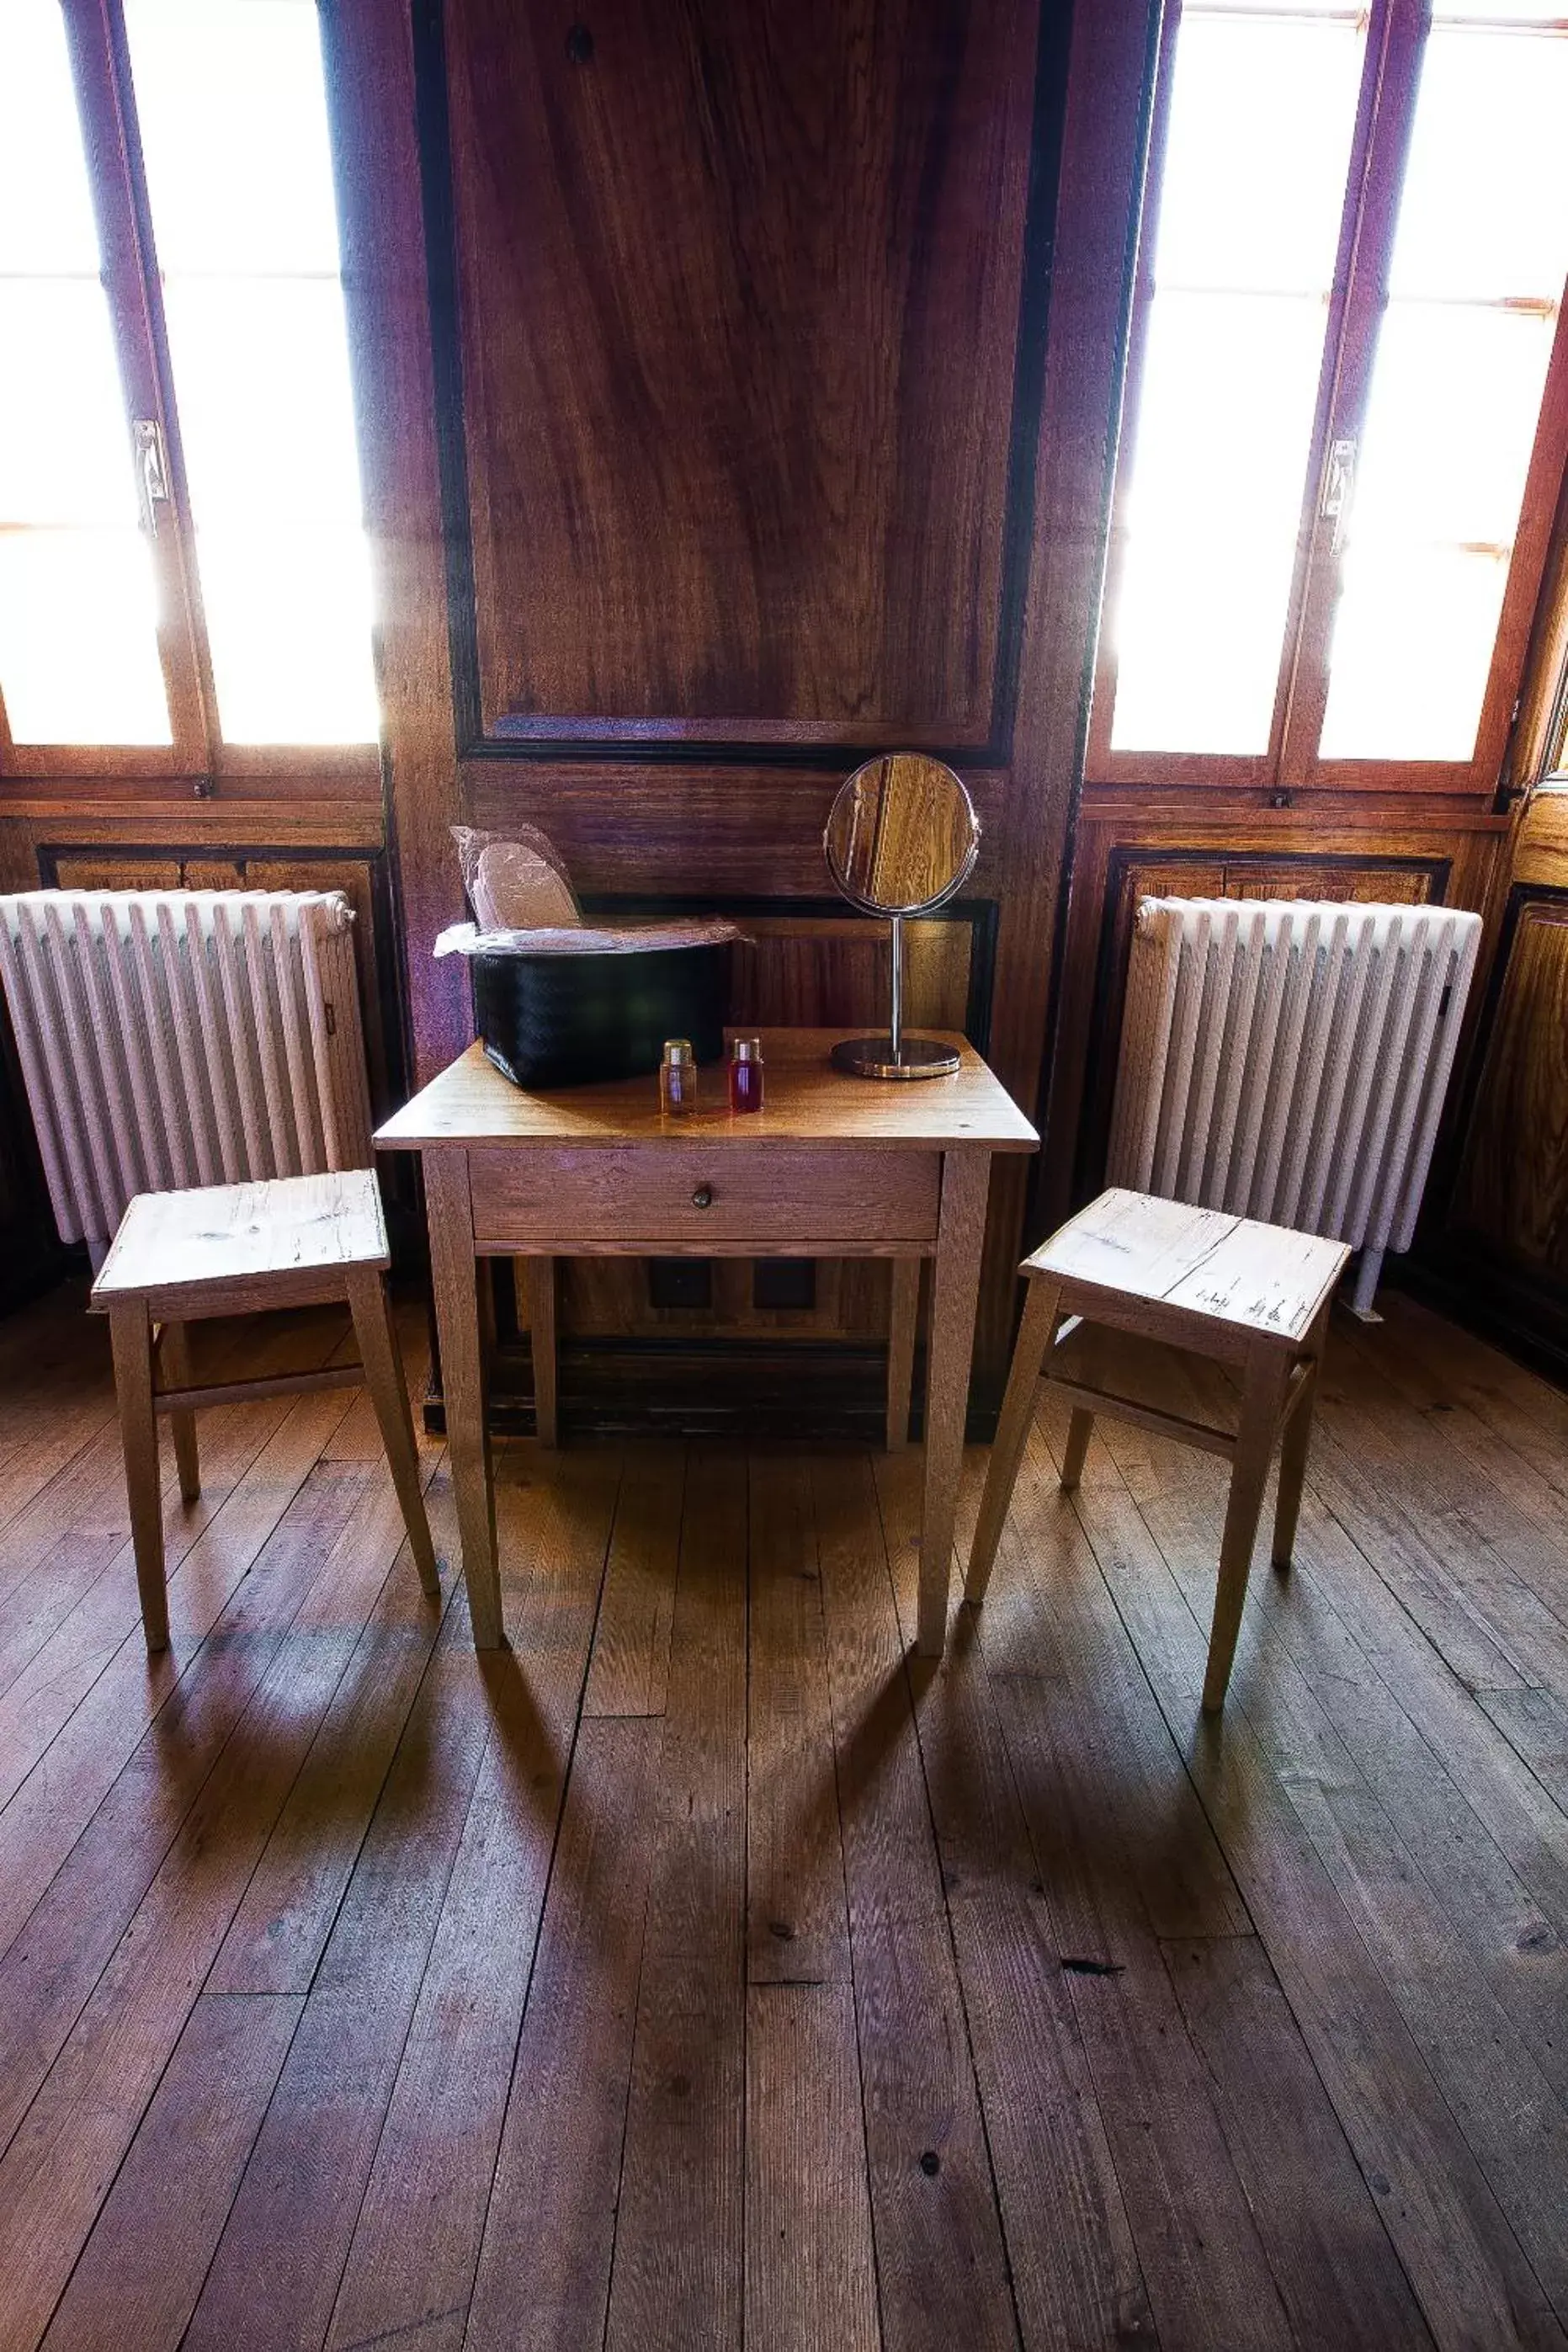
x=550, y=1020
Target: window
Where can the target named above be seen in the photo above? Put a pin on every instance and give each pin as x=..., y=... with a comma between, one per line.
x=1345, y=379
x=185, y=581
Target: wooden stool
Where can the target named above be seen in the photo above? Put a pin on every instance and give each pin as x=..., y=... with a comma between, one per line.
x=236, y=1249
x=1256, y=1297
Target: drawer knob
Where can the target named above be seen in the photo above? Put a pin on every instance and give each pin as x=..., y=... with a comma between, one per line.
x=703, y=1197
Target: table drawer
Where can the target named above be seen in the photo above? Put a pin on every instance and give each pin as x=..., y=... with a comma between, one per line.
x=695, y=1197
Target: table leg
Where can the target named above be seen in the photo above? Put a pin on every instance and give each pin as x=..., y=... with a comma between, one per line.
x=542, y=1346
x=454, y=1274
x=954, y=1294
x=902, y=1319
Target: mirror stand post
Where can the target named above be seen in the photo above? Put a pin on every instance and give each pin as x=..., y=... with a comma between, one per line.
x=895, y=1055
x=895, y=1025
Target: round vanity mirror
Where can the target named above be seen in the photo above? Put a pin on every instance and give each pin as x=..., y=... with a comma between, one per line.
x=901, y=837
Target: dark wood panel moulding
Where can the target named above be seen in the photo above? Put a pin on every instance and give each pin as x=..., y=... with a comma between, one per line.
x=654, y=738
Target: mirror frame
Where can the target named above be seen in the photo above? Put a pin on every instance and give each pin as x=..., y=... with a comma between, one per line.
x=920, y=906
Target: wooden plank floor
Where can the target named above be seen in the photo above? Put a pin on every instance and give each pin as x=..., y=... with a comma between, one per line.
x=702, y=1973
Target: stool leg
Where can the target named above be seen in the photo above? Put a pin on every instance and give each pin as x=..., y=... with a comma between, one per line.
x=382, y=1361
x=1261, y=1396
x=1035, y=1334
x=175, y=1350
x=130, y=1336
x=1294, y=1460
x=902, y=1316
x=1081, y=1422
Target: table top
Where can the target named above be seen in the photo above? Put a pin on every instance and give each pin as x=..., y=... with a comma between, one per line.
x=806, y=1101
x=243, y=1232
x=1234, y=1270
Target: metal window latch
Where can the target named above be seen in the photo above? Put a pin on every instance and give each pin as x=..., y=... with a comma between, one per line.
x=152, y=468
x=1339, y=490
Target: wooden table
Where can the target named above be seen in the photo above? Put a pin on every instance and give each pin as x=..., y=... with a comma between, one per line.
x=833, y=1167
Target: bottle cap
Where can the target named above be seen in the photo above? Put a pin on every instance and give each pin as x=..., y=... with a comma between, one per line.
x=747, y=1049
x=678, y=1049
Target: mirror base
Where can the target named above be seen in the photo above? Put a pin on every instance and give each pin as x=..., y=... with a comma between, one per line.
x=873, y=1058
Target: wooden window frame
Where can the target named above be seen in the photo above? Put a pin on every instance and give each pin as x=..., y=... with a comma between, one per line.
x=1384, y=119
x=198, y=754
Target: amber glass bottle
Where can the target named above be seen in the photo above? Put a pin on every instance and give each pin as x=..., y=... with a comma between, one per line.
x=677, y=1078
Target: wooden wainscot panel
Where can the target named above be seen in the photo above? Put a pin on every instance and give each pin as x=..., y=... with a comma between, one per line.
x=1513, y=1190
x=739, y=312
x=1132, y=847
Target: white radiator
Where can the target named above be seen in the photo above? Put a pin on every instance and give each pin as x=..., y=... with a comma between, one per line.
x=171, y=1039
x=1288, y=1059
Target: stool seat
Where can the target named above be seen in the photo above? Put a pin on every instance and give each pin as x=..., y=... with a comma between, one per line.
x=1256, y=1297
x=236, y=1249
x=288, y=1235
x=1206, y=1266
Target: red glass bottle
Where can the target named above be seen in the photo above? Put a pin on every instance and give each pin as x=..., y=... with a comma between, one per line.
x=745, y=1074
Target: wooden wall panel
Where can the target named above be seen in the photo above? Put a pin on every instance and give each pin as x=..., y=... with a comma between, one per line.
x=1494, y=1248
x=739, y=295
x=1512, y=1193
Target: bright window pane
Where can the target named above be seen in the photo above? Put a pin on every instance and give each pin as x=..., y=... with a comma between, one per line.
x=1262, y=114
x=78, y=650
x=65, y=448
x=1450, y=422
x=1483, y=211
x=229, y=98
x=266, y=408
x=46, y=228
x=305, y=594
x=1212, y=517
x=232, y=109
x=78, y=622
x=1253, y=184
x=1412, y=648
x=1475, y=283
